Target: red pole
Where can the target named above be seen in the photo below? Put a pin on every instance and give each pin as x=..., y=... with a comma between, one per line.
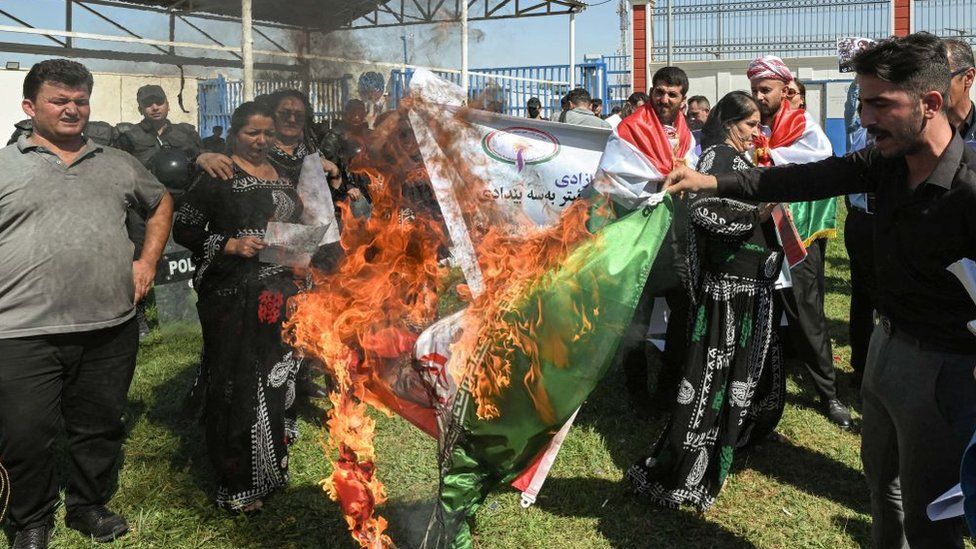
x=640, y=48
x=903, y=17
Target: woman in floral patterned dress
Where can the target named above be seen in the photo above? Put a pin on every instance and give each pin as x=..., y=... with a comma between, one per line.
x=733, y=386
x=250, y=385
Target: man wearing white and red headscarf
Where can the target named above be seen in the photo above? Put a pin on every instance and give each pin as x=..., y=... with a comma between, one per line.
x=792, y=136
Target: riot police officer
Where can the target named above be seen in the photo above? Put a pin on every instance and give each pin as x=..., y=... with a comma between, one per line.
x=157, y=142
x=168, y=150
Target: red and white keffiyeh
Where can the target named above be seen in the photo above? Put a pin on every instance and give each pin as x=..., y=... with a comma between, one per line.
x=641, y=151
x=769, y=67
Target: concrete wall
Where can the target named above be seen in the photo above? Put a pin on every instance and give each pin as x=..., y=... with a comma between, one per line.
x=113, y=98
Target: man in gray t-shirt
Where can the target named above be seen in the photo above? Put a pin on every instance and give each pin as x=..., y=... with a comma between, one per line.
x=68, y=284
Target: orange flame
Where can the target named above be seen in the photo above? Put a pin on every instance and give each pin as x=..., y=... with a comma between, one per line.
x=362, y=319
x=494, y=330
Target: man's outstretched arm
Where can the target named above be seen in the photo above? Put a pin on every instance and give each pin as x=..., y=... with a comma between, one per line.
x=832, y=176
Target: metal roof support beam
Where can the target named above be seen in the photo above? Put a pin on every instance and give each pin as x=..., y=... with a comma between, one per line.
x=111, y=55
x=114, y=23
x=437, y=8
x=68, y=17
x=205, y=34
x=411, y=12
x=172, y=32
x=188, y=13
x=425, y=13
x=268, y=38
x=29, y=26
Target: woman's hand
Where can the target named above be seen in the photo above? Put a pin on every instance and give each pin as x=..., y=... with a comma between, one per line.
x=330, y=168
x=333, y=173
x=216, y=165
x=247, y=246
x=355, y=193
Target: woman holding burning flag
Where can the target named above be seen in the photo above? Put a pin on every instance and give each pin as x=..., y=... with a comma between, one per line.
x=250, y=385
x=732, y=389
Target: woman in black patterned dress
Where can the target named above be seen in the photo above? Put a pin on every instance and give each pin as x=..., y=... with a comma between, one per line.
x=733, y=387
x=250, y=385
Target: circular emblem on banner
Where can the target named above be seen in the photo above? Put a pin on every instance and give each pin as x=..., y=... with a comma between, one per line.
x=521, y=146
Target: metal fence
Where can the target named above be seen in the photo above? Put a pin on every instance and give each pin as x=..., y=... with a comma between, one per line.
x=618, y=81
x=607, y=78
x=721, y=29
x=946, y=18
x=217, y=98
x=512, y=87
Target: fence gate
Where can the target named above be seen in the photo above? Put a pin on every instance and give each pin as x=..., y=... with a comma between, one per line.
x=217, y=98
x=514, y=86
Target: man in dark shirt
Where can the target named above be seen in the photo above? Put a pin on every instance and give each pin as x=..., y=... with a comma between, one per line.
x=698, y=109
x=155, y=129
x=962, y=112
x=215, y=143
x=919, y=393
x=155, y=132
x=68, y=281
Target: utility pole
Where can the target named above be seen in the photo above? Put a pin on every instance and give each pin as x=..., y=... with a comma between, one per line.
x=572, y=50
x=247, y=49
x=624, y=14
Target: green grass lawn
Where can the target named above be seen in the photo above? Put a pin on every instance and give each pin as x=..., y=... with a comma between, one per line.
x=805, y=493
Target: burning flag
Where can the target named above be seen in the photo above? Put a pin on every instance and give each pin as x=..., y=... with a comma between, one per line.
x=535, y=359
x=551, y=282
x=549, y=306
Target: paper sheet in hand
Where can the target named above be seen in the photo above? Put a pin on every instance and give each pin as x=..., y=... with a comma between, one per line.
x=965, y=271
x=318, y=209
x=291, y=244
x=948, y=505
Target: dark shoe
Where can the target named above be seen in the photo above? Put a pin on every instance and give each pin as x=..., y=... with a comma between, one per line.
x=37, y=537
x=838, y=413
x=97, y=522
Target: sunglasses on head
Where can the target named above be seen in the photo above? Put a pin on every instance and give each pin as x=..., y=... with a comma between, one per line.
x=957, y=72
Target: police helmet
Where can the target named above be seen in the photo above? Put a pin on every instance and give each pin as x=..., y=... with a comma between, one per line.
x=171, y=166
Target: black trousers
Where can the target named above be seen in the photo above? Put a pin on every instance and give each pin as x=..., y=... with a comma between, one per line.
x=676, y=340
x=633, y=349
x=919, y=414
x=80, y=380
x=807, y=337
x=858, y=237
